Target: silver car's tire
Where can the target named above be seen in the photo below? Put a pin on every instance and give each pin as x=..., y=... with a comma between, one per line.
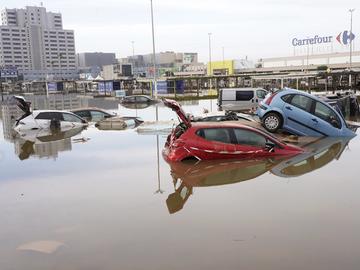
x=272, y=122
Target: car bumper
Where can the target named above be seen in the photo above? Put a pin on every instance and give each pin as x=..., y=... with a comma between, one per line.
x=261, y=110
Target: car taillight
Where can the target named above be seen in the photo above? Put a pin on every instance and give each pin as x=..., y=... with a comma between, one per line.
x=269, y=99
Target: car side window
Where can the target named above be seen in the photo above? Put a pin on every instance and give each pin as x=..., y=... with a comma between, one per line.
x=71, y=118
x=302, y=102
x=244, y=95
x=248, y=137
x=287, y=98
x=130, y=99
x=98, y=114
x=261, y=94
x=83, y=113
x=49, y=116
x=44, y=116
x=141, y=99
x=215, y=134
x=327, y=114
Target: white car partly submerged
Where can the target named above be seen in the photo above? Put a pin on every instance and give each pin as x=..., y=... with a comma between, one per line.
x=45, y=119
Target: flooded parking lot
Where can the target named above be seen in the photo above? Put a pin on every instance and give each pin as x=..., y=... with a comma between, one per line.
x=97, y=199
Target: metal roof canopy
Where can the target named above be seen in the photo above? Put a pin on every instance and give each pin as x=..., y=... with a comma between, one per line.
x=287, y=76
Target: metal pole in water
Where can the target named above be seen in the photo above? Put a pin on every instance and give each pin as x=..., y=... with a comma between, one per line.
x=1, y=87
x=210, y=70
x=159, y=190
x=153, y=41
x=350, y=60
x=133, y=57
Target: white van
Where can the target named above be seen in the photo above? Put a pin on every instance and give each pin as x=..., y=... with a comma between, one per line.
x=240, y=99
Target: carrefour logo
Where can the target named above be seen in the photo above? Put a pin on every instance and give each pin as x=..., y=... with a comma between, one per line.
x=343, y=38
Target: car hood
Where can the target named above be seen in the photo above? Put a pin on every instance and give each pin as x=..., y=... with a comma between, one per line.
x=172, y=104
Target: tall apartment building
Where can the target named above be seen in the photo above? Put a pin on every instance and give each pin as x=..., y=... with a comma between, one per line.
x=34, y=41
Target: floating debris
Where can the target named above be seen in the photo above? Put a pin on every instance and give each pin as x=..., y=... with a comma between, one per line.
x=44, y=246
x=81, y=140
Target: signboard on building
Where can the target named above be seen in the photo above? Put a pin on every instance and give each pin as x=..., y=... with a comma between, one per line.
x=189, y=58
x=52, y=86
x=162, y=87
x=344, y=38
x=105, y=87
x=8, y=72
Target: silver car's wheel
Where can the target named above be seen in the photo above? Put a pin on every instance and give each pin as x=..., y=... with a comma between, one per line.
x=272, y=122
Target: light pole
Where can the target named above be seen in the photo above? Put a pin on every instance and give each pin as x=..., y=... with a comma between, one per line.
x=210, y=70
x=350, y=35
x=1, y=87
x=133, y=55
x=223, y=57
x=153, y=41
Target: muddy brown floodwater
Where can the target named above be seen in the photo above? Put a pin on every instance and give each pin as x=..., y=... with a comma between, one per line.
x=97, y=199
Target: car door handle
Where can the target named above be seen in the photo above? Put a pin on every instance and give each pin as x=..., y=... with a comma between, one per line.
x=314, y=120
x=289, y=108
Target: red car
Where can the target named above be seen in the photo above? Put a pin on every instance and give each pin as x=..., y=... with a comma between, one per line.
x=220, y=140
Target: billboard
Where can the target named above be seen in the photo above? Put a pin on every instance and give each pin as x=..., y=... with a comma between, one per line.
x=105, y=87
x=52, y=86
x=189, y=58
x=344, y=38
x=8, y=72
x=161, y=87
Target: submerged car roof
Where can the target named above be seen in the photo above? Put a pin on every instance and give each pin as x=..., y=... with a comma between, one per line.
x=244, y=88
x=60, y=111
x=89, y=109
x=36, y=112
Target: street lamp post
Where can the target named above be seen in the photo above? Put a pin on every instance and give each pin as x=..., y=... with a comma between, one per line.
x=1, y=88
x=210, y=70
x=133, y=57
x=153, y=41
x=350, y=60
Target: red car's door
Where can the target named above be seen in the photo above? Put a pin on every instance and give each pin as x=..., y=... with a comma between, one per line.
x=250, y=143
x=214, y=142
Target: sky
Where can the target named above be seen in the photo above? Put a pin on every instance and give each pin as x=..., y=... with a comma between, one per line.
x=254, y=29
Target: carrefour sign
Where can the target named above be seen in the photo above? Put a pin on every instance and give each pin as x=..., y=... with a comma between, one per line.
x=343, y=38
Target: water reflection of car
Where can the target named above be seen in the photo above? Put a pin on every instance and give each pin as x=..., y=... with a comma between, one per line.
x=317, y=154
x=44, y=142
x=45, y=119
x=93, y=114
x=136, y=106
x=220, y=140
x=119, y=123
x=302, y=114
x=138, y=99
x=187, y=175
